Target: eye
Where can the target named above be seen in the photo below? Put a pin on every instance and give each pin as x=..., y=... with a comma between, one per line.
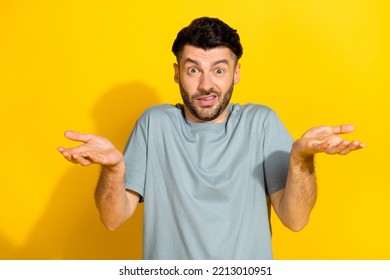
x=219, y=71
x=192, y=70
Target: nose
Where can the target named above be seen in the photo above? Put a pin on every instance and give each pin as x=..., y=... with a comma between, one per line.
x=205, y=82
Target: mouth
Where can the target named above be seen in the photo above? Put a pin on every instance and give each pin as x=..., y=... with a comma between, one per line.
x=207, y=100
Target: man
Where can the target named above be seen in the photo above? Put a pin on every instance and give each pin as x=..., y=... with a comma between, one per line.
x=205, y=169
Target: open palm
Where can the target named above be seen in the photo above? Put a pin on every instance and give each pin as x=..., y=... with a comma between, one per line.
x=95, y=149
x=326, y=139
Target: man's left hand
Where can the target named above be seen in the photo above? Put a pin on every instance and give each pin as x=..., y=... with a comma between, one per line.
x=326, y=139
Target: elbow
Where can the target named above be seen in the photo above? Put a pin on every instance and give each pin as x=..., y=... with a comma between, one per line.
x=296, y=228
x=110, y=225
x=298, y=225
x=112, y=221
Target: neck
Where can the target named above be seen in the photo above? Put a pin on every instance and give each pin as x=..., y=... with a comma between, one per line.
x=219, y=119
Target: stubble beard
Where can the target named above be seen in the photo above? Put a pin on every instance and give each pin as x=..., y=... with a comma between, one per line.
x=207, y=113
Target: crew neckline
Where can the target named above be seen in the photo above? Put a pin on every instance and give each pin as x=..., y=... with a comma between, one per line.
x=206, y=125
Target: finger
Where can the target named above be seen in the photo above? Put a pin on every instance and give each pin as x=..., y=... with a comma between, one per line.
x=354, y=145
x=80, y=159
x=321, y=147
x=63, y=151
x=77, y=136
x=93, y=157
x=344, y=128
x=69, y=152
x=88, y=157
x=98, y=158
x=71, y=155
x=342, y=146
x=68, y=156
x=361, y=145
x=330, y=147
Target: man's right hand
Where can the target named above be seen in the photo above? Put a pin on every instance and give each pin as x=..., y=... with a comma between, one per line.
x=95, y=149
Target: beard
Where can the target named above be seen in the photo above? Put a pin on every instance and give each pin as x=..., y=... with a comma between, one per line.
x=207, y=113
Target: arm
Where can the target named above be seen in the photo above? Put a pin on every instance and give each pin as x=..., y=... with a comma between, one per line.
x=114, y=202
x=294, y=203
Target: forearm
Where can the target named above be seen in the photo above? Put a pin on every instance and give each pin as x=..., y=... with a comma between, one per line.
x=110, y=196
x=294, y=204
x=300, y=193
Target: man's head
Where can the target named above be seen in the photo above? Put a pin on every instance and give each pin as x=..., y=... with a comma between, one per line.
x=207, y=53
x=208, y=33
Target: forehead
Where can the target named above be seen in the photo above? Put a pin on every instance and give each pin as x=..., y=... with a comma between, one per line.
x=206, y=56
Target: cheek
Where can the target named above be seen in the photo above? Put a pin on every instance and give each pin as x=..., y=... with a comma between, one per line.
x=225, y=83
x=190, y=85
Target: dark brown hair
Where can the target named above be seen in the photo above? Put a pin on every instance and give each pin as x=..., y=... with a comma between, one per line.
x=208, y=33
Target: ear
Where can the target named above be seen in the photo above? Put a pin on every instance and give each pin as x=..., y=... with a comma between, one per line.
x=237, y=73
x=176, y=69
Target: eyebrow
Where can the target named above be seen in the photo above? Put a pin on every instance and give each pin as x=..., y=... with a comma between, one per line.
x=221, y=61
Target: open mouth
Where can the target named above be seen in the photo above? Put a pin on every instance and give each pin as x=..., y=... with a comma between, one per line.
x=207, y=100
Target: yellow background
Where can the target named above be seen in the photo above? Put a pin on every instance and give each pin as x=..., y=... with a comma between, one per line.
x=94, y=66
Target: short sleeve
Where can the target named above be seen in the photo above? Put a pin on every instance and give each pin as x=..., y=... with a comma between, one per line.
x=277, y=147
x=135, y=154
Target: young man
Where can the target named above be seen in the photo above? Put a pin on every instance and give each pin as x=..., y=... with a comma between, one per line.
x=205, y=169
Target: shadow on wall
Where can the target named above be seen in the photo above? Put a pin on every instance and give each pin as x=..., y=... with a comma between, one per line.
x=70, y=227
x=7, y=251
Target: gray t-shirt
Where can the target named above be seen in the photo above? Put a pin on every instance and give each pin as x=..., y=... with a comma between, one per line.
x=205, y=185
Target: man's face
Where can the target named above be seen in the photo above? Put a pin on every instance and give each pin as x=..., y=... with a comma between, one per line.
x=206, y=80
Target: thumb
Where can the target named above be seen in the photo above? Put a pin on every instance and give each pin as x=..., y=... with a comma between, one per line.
x=77, y=136
x=344, y=128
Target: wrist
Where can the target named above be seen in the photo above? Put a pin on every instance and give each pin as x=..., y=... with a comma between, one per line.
x=118, y=167
x=301, y=159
